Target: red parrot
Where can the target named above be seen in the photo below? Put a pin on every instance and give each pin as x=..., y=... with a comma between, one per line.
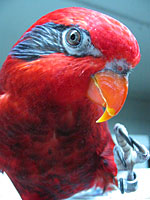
x=53, y=86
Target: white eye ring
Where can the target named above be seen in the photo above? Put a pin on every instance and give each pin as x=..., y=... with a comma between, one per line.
x=77, y=42
x=73, y=37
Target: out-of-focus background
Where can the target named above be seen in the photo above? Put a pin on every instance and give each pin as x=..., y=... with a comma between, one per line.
x=18, y=15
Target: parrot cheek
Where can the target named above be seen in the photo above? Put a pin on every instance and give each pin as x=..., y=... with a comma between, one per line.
x=109, y=90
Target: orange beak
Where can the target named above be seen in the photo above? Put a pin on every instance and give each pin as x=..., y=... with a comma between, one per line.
x=109, y=90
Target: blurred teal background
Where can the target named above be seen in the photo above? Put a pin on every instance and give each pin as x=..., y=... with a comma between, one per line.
x=18, y=15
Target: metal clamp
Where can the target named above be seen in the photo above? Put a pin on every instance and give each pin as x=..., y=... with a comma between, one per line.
x=127, y=186
x=127, y=153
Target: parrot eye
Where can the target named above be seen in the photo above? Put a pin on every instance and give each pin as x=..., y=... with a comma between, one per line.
x=77, y=42
x=73, y=37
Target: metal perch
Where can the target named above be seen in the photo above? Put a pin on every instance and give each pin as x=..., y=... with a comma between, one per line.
x=127, y=154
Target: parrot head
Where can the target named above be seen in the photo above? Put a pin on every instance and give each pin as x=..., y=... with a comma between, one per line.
x=72, y=54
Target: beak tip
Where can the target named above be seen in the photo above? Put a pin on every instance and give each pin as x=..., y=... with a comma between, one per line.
x=101, y=119
x=98, y=121
x=106, y=116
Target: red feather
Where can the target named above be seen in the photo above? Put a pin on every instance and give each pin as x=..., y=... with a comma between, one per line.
x=51, y=146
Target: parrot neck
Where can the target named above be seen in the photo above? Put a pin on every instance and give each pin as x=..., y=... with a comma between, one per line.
x=76, y=118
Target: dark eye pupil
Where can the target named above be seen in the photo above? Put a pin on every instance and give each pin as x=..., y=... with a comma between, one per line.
x=73, y=37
